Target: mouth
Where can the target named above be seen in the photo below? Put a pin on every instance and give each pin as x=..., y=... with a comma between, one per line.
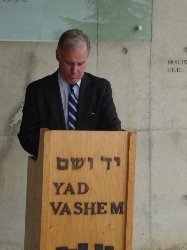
x=73, y=79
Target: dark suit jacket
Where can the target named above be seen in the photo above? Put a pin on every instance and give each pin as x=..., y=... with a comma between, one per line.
x=43, y=108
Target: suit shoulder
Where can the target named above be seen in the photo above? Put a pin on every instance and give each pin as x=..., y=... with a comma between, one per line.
x=43, y=82
x=101, y=82
x=95, y=78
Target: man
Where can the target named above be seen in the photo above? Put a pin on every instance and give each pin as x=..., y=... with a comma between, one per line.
x=47, y=100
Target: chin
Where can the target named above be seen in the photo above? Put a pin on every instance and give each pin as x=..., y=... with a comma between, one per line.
x=73, y=80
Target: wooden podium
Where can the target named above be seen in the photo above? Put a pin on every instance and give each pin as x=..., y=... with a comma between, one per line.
x=80, y=191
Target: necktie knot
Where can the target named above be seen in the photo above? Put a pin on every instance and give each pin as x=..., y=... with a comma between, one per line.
x=72, y=86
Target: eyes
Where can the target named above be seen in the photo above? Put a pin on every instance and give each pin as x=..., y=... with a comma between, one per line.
x=80, y=64
x=74, y=64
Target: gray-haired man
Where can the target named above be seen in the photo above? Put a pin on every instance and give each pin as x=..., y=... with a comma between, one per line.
x=47, y=100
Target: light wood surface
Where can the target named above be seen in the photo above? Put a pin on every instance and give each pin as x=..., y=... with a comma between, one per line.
x=107, y=182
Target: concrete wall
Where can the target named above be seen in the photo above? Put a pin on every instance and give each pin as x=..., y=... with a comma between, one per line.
x=151, y=98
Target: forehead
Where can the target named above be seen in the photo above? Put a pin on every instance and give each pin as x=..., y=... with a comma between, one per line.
x=71, y=53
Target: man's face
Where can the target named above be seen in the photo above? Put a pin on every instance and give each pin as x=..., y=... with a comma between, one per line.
x=72, y=63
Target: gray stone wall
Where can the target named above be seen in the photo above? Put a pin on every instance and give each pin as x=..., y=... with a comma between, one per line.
x=150, y=91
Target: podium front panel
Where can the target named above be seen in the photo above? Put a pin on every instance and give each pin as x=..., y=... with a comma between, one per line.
x=85, y=190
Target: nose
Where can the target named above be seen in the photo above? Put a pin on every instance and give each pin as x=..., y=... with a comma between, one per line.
x=74, y=69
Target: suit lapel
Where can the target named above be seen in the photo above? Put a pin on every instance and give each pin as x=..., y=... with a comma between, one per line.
x=55, y=102
x=85, y=98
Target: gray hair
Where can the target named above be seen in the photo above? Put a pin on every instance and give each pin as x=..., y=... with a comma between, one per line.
x=74, y=39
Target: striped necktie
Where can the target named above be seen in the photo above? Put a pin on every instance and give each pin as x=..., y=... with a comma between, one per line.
x=72, y=108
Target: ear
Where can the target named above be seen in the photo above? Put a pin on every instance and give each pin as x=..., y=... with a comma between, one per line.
x=57, y=55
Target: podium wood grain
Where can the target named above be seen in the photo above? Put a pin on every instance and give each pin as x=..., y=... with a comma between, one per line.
x=46, y=231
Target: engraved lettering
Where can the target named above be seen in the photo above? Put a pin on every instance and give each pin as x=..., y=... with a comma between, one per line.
x=69, y=189
x=92, y=208
x=87, y=208
x=101, y=208
x=117, y=159
x=58, y=187
x=91, y=162
x=55, y=209
x=108, y=161
x=115, y=209
x=78, y=205
x=65, y=209
x=77, y=163
x=59, y=163
x=82, y=185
